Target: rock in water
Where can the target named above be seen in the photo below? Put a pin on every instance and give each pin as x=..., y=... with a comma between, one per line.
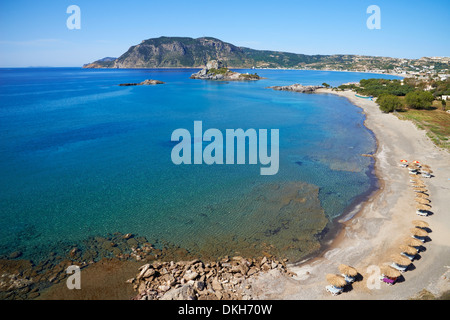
x=143, y=83
x=297, y=88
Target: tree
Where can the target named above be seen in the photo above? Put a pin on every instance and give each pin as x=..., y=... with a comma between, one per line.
x=443, y=104
x=389, y=103
x=326, y=85
x=419, y=99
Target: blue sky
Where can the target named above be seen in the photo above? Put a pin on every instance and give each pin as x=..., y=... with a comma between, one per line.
x=34, y=33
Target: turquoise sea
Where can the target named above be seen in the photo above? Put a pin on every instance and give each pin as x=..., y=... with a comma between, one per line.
x=81, y=156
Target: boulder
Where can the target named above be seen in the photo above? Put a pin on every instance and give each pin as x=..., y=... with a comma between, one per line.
x=190, y=275
x=215, y=64
x=185, y=292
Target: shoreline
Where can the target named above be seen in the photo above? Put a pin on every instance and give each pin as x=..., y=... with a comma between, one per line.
x=377, y=229
x=335, y=235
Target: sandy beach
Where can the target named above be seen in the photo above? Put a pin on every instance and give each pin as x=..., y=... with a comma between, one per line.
x=382, y=223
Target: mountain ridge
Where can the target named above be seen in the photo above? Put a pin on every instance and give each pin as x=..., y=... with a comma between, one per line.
x=186, y=52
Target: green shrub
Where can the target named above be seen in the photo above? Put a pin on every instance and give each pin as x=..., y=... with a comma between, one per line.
x=419, y=99
x=389, y=103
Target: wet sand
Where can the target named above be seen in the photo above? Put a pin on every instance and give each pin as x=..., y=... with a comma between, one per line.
x=382, y=224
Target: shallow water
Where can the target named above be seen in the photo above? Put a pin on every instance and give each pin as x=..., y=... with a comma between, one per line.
x=81, y=156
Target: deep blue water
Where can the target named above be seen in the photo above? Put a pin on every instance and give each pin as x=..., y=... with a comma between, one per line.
x=81, y=156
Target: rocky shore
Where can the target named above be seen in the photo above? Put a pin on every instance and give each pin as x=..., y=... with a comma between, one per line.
x=143, y=83
x=217, y=70
x=25, y=278
x=167, y=272
x=196, y=280
x=296, y=88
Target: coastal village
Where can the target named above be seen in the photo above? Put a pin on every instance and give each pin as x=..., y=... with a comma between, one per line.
x=425, y=68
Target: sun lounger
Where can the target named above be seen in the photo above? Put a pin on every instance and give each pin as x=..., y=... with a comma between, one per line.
x=334, y=290
x=421, y=213
x=399, y=268
x=410, y=257
x=386, y=280
x=348, y=278
x=419, y=238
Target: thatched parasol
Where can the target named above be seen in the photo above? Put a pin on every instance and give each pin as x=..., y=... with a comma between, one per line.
x=413, y=242
x=419, y=183
x=422, y=200
x=420, y=189
x=423, y=207
x=336, y=280
x=418, y=232
x=408, y=250
x=425, y=166
x=422, y=195
x=401, y=260
x=390, y=272
x=420, y=186
x=427, y=170
x=347, y=270
x=420, y=223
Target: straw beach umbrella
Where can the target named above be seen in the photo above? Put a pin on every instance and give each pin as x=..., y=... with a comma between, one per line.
x=422, y=195
x=425, y=166
x=413, y=242
x=422, y=200
x=400, y=260
x=390, y=272
x=420, y=189
x=420, y=223
x=336, y=280
x=418, y=232
x=408, y=250
x=423, y=207
x=419, y=183
x=347, y=270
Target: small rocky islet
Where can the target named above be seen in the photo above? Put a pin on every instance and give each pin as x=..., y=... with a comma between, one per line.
x=217, y=70
x=148, y=82
x=296, y=87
